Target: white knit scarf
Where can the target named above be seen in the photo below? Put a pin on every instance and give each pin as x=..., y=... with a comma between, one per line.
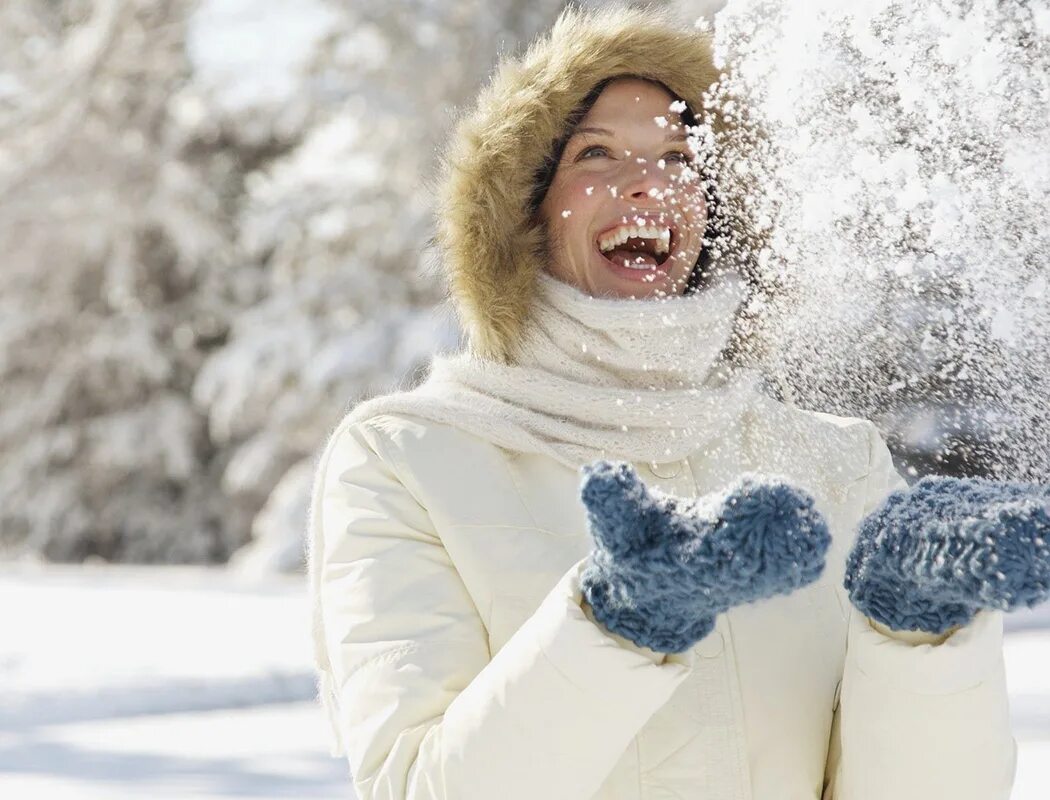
x=596, y=377
x=625, y=379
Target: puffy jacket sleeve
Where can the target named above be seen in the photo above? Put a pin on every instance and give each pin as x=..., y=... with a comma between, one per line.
x=920, y=716
x=420, y=708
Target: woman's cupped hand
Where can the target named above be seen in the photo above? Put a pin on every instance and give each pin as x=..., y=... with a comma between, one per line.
x=664, y=567
x=934, y=554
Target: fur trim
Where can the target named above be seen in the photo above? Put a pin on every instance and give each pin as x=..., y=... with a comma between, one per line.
x=490, y=250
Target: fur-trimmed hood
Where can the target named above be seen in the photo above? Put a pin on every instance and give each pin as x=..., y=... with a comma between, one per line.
x=490, y=249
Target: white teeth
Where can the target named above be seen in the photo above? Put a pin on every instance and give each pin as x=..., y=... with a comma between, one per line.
x=620, y=235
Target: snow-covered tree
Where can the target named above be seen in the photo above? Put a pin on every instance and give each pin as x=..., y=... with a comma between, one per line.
x=109, y=296
x=214, y=218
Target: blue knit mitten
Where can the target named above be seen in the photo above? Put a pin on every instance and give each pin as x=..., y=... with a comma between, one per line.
x=934, y=554
x=664, y=567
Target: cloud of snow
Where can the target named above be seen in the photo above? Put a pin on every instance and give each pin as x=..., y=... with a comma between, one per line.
x=903, y=171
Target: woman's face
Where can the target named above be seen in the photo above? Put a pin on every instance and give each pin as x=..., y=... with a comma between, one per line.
x=625, y=212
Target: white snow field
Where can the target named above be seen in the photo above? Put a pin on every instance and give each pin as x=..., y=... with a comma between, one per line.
x=162, y=682
x=186, y=682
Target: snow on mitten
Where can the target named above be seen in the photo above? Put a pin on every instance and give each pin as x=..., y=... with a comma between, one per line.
x=932, y=555
x=664, y=567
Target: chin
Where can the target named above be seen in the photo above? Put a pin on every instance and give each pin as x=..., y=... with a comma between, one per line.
x=636, y=289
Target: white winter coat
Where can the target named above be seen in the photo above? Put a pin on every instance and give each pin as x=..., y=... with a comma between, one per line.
x=466, y=667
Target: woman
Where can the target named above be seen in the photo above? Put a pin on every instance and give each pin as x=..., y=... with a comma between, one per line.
x=457, y=656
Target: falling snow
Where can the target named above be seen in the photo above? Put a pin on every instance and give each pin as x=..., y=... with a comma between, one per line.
x=904, y=185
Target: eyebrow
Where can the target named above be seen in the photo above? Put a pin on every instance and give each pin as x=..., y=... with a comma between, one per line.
x=671, y=137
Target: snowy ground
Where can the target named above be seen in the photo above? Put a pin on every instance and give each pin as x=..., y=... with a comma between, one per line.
x=193, y=683
x=164, y=683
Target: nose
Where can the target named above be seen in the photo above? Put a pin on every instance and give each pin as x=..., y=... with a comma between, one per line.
x=644, y=182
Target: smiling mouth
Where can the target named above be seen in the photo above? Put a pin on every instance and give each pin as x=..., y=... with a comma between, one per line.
x=642, y=247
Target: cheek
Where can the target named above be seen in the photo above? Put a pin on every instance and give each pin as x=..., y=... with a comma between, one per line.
x=693, y=205
x=575, y=206
x=690, y=195
x=582, y=194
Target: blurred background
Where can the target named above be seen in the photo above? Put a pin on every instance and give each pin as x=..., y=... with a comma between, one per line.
x=214, y=217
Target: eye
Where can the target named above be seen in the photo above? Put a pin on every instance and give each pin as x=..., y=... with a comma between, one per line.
x=592, y=149
x=677, y=156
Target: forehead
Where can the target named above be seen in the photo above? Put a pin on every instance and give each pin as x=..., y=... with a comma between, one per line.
x=631, y=102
